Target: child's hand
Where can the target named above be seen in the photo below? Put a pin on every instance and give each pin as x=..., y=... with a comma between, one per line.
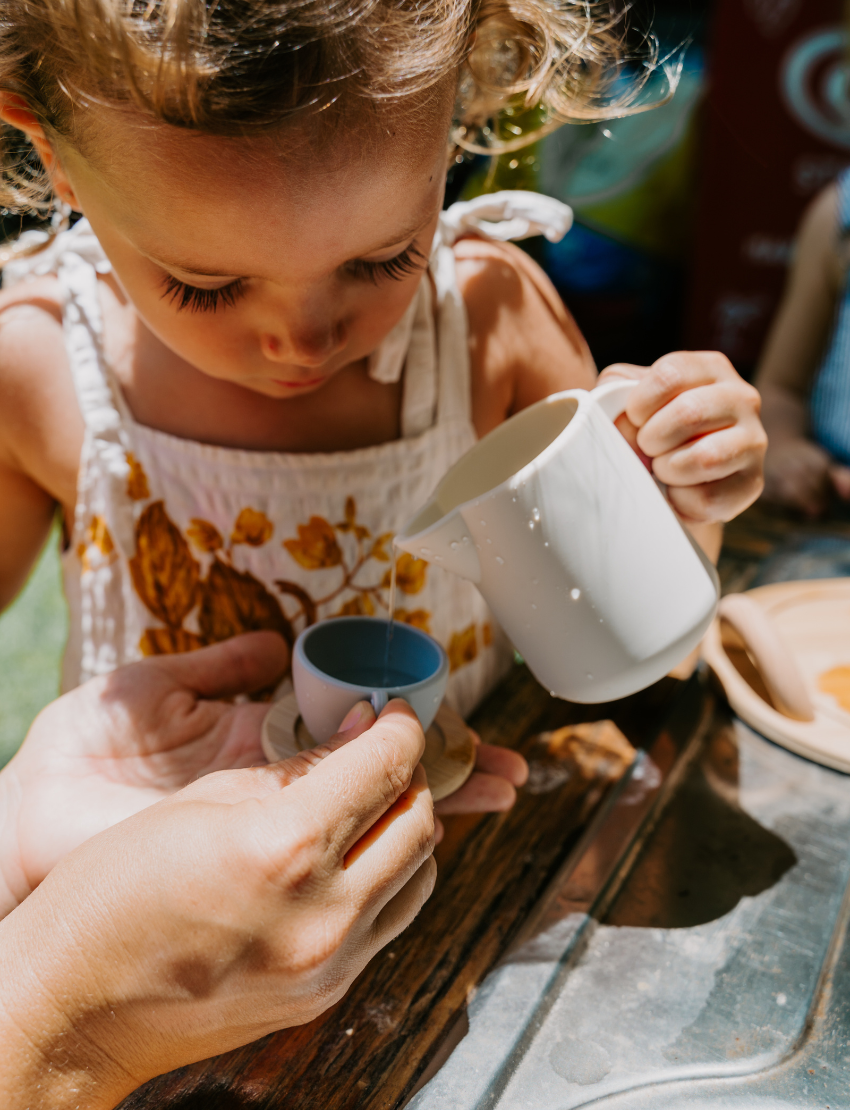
x=697, y=422
x=491, y=788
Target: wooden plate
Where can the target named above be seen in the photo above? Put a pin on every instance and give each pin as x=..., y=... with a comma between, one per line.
x=449, y=748
x=813, y=620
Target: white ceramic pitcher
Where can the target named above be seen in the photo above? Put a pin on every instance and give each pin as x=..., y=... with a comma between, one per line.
x=574, y=547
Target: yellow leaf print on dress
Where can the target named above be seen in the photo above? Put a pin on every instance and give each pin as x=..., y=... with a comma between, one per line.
x=226, y=601
x=205, y=536
x=410, y=573
x=234, y=601
x=137, y=481
x=169, y=582
x=359, y=606
x=253, y=528
x=463, y=648
x=97, y=537
x=316, y=546
x=350, y=523
x=419, y=618
x=164, y=573
x=320, y=546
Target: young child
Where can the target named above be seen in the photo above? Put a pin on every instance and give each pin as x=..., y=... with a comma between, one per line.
x=263, y=346
x=804, y=375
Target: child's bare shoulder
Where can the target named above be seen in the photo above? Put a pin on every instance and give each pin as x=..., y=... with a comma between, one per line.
x=524, y=344
x=40, y=425
x=30, y=324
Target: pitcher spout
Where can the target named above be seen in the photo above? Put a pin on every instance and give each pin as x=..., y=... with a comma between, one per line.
x=443, y=539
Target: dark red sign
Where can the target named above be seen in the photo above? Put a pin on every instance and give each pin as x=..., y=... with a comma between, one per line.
x=777, y=130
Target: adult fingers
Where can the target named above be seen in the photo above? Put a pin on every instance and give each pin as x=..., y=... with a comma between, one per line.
x=715, y=502
x=385, y=857
x=710, y=458
x=698, y=411
x=236, y=666
x=400, y=910
x=350, y=789
x=272, y=777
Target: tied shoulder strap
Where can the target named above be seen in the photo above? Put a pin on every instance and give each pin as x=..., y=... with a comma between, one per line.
x=511, y=214
x=506, y=215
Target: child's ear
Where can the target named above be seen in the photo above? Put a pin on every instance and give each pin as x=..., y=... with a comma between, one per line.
x=15, y=111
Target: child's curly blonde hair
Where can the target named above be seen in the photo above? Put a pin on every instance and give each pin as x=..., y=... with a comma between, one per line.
x=244, y=66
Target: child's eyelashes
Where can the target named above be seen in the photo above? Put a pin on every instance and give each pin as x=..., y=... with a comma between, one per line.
x=408, y=262
x=196, y=299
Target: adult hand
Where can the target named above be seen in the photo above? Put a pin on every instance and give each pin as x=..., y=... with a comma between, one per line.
x=244, y=903
x=492, y=786
x=119, y=743
x=799, y=475
x=697, y=422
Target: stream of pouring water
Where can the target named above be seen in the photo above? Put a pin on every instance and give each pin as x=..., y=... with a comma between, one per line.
x=390, y=624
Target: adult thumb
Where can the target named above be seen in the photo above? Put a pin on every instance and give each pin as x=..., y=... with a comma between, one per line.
x=239, y=665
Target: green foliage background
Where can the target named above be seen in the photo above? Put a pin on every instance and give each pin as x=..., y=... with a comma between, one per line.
x=32, y=637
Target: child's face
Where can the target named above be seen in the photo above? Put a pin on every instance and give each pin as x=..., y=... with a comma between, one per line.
x=264, y=263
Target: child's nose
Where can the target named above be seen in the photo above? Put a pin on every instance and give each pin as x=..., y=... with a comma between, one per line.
x=305, y=347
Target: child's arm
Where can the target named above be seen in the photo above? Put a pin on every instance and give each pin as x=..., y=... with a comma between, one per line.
x=40, y=433
x=26, y=513
x=692, y=415
x=797, y=470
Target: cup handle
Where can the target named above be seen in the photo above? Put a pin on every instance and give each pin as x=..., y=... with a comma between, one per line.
x=379, y=700
x=612, y=397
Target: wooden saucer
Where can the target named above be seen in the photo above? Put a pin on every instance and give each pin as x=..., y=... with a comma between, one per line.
x=811, y=626
x=449, y=748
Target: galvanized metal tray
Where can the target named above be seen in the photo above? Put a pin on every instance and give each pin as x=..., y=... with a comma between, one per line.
x=693, y=952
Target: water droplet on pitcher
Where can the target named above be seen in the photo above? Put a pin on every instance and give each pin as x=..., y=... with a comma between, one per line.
x=545, y=543
x=531, y=525
x=552, y=694
x=575, y=593
x=533, y=606
x=483, y=523
x=425, y=550
x=454, y=545
x=438, y=558
x=535, y=513
x=500, y=560
x=465, y=539
x=513, y=499
x=489, y=541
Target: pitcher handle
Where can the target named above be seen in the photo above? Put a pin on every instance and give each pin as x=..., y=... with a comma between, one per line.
x=612, y=397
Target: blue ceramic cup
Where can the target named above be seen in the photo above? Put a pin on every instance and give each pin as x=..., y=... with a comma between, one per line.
x=342, y=661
